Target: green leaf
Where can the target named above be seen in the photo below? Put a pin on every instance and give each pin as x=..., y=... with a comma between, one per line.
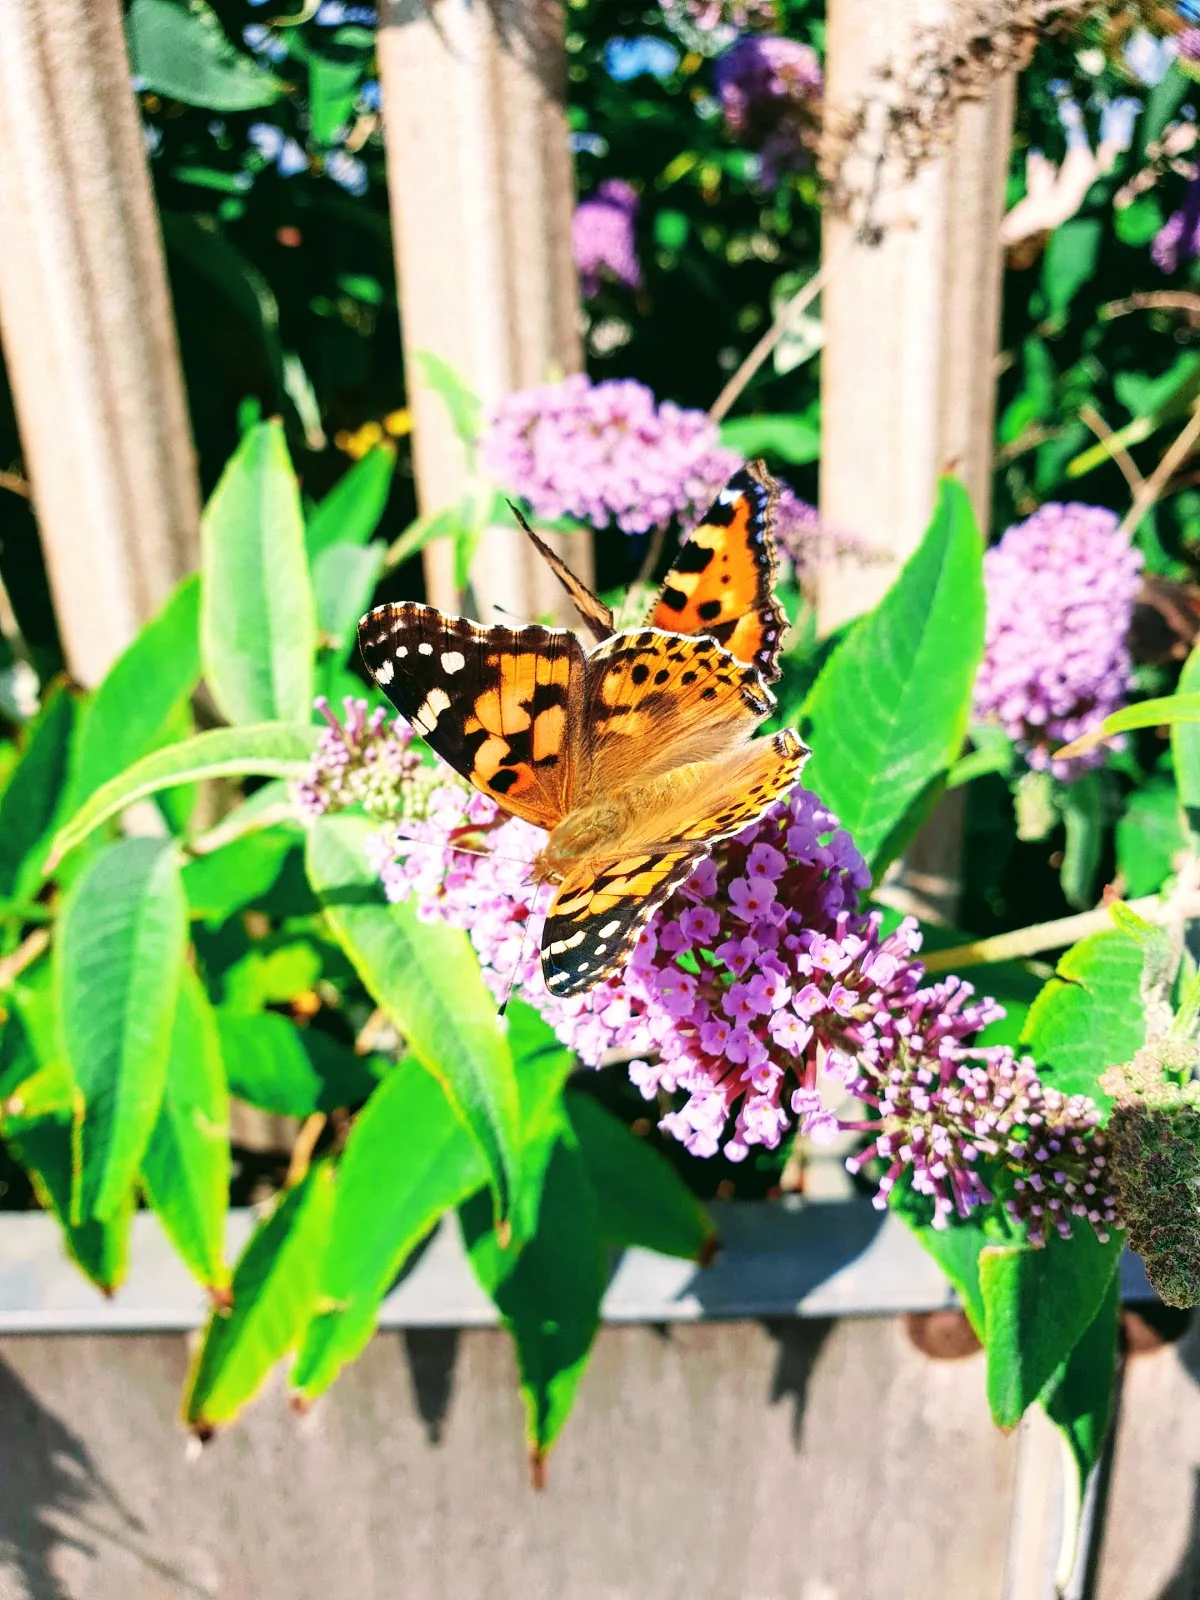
x=1185, y=747
x=223, y=881
x=1069, y=262
x=466, y=413
x=185, y=1170
x=1163, y=101
x=351, y=511
x=344, y=579
x=257, y=615
x=1082, y=805
x=956, y=1249
x=208, y=253
x=274, y=1295
x=40, y=1133
x=549, y=1294
x=1090, y=1016
x=889, y=710
x=1149, y=837
x=290, y=1071
x=408, y=1159
x=795, y=438
x=270, y=750
x=118, y=959
x=640, y=1198
x=1037, y=1306
x=182, y=52
x=32, y=798
x=334, y=79
x=426, y=978
x=157, y=673
x=273, y=972
x=1166, y=712
x=1078, y=1397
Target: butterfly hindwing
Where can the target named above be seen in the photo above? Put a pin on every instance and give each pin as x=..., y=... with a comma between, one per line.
x=602, y=905
x=735, y=792
x=599, y=912
x=502, y=706
x=723, y=580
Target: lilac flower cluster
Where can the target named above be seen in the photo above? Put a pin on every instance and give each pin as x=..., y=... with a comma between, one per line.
x=758, y=974
x=1187, y=44
x=362, y=761
x=605, y=453
x=1060, y=595
x=1178, y=240
x=602, y=238
x=770, y=92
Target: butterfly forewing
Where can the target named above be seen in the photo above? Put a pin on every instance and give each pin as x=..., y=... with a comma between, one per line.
x=500, y=705
x=723, y=580
x=660, y=700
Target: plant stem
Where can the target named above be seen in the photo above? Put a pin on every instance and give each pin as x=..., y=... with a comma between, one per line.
x=1157, y=481
x=799, y=302
x=26, y=953
x=1054, y=935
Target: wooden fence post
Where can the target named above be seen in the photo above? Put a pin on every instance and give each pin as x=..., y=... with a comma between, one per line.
x=482, y=194
x=911, y=315
x=87, y=328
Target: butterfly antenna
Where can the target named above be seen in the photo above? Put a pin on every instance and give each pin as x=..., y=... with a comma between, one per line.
x=512, y=977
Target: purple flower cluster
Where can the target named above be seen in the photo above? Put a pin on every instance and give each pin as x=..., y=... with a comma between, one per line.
x=770, y=92
x=362, y=761
x=1187, y=43
x=1178, y=240
x=605, y=453
x=940, y=1117
x=602, y=238
x=1060, y=595
x=759, y=974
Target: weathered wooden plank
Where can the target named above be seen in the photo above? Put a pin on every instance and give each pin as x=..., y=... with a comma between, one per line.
x=780, y=1461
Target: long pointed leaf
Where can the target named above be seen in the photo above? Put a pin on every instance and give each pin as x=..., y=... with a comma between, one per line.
x=258, y=624
x=274, y=1292
x=185, y=1170
x=890, y=709
x=156, y=674
x=118, y=961
x=408, y=1159
x=270, y=750
x=425, y=976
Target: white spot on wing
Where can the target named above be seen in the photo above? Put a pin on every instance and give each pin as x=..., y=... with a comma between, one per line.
x=384, y=672
x=425, y=649
x=436, y=702
x=453, y=661
x=402, y=651
x=610, y=928
x=561, y=945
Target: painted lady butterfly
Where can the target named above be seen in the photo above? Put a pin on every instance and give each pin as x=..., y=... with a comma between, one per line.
x=636, y=755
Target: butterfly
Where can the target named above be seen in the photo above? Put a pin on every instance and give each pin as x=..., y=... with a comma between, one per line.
x=635, y=755
x=722, y=583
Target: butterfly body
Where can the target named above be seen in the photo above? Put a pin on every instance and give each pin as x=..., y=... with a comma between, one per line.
x=635, y=756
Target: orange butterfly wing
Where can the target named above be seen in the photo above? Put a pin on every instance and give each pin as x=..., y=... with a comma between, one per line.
x=723, y=580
